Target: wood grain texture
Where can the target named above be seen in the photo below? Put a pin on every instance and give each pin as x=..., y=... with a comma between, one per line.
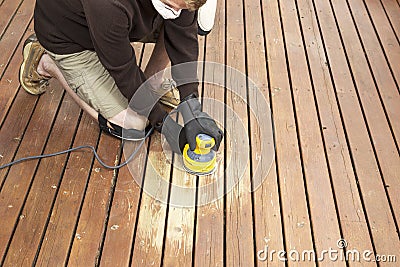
x=19, y=177
x=367, y=171
x=90, y=230
x=44, y=187
x=295, y=213
x=349, y=202
x=209, y=243
x=9, y=81
x=326, y=230
x=267, y=213
x=329, y=71
x=239, y=215
x=60, y=231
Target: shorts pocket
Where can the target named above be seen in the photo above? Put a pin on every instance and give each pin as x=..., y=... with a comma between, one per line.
x=75, y=82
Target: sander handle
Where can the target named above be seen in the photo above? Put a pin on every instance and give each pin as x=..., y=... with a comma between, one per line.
x=204, y=144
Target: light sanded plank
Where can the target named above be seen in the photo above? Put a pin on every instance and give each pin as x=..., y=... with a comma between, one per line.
x=267, y=214
x=149, y=236
x=180, y=227
x=86, y=246
x=121, y=225
x=178, y=247
x=149, y=240
x=60, y=231
x=295, y=215
x=380, y=218
x=44, y=188
x=382, y=139
x=320, y=196
x=9, y=82
x=350, y=210
x=15, y=189
x=388, y=39
x=125, y=207
x=239, y=215
x=209, y=243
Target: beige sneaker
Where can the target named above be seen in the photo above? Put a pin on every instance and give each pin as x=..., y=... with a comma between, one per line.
x=169, y=93
x=30, y=79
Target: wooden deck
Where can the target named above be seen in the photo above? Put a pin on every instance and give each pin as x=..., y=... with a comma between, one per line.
x=330, y=72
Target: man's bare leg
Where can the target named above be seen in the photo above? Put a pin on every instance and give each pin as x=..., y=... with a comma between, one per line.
x=127, y=118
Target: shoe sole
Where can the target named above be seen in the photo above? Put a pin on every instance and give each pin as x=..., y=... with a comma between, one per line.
x=25, y=54
x=25, y=51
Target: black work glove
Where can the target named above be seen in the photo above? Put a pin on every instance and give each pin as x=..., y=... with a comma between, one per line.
x=198, y=122
x=174, y=134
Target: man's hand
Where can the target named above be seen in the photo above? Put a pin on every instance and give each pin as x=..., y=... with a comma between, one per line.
x=198, y=122
x=174, y=134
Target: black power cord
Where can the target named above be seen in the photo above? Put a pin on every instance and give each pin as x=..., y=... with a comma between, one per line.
x=82, y=147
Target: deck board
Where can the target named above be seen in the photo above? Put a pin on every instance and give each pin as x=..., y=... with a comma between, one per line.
x=37, y=131
x=317, y=181
x=39, y=200
x=209, y=242
x=330, y=73
x=374, y=198
x=60, y=230
x=295, y=221
x=349, y=207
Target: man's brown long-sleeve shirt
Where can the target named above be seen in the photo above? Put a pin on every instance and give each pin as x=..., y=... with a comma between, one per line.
x=108, y=27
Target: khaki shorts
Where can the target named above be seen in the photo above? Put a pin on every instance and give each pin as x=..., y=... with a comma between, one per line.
x=86, y=76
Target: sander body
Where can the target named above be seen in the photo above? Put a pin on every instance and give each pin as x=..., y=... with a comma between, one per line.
x=202, y=160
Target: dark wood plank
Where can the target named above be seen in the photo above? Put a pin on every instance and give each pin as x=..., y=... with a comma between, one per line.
x=388, y=91
x=296, y=222
x=13, y=129
x=387, y=37
x=380, y=219
x=60, y=231
x=125, y=208
x=14, y=190
x=350, y=211
x=374, y=115
x=89, y=234
x=118, y=243
x=14, y=32
x=320, y=196
x=9, y=82
x=44, y=188
x=267, y=213
x=8, y=10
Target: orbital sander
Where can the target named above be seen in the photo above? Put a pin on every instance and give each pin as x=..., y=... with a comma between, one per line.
x=202, y=160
